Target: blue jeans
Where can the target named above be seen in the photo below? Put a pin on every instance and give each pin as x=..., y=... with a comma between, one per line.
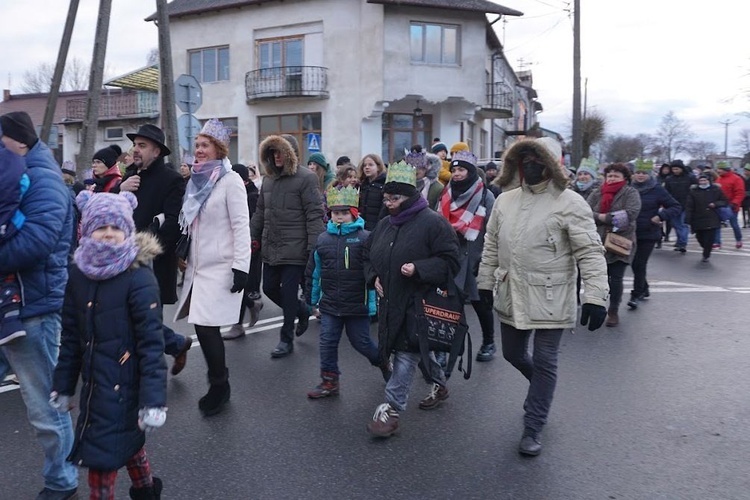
x=33, y=359
x=404, y=366
x=4, y=366
x=735, y=227
x=678, y=223
x=540, y=369
x=358, y=331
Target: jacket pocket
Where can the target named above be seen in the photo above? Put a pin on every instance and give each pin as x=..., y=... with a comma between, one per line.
x=549, y=296
x=503, y=300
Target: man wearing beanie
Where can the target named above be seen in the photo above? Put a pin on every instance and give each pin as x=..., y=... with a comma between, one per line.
x=410, y=249
x=159, y=190
x=678, y=185
x=38, y=255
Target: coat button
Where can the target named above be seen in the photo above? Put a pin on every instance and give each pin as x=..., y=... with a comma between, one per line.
x=117, y=387
x=89, y=304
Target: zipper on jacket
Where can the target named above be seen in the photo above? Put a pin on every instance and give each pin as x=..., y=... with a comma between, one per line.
x=90, y=316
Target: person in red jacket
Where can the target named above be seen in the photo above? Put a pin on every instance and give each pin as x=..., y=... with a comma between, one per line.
x=733, y=187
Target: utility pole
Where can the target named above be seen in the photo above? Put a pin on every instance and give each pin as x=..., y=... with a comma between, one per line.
x=726, y=124
x=96, y=77
x=577, y=152
x=62, y=55
x=166, y=83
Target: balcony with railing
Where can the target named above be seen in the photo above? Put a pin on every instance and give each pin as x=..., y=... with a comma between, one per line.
x=115, y=105
x=499, y=101
x=285, y=82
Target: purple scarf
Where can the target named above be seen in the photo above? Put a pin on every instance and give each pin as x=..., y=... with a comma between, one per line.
x=100, y=261
x=409, y=212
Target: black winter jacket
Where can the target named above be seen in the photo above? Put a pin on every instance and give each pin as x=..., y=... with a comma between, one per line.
x=430, y=243
x=654, y=201
x=371, y=201
x=112, y=337
x=698, y=215
x=161, y=192
x=679, y=186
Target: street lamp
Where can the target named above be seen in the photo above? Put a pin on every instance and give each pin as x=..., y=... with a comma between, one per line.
x=417, y=110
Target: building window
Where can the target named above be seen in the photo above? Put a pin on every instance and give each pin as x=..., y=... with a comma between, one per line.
x=483, y=138
x=469, y=139
x=231, y=124
x=402, y=131
x=435, y=43
x=298, y=126
x=114, y=133
x=279, y=53
x=210, y=64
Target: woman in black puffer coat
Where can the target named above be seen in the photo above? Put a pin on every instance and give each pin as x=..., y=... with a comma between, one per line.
x=371, y=179
x=701, y=212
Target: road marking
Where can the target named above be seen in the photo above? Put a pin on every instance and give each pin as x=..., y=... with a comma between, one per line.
x=678, y=287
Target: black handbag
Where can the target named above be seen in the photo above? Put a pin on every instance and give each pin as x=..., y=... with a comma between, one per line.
x=441, y=326
x=182, y=248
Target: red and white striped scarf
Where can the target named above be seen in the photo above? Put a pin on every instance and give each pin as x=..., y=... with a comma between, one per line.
x=466, y=214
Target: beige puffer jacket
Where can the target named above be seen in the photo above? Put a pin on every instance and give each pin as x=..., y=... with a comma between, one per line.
x=535, y=237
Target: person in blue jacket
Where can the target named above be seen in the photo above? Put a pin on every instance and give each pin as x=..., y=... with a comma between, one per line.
x=112, y=338
x=337, y=292
x=38, y=254
x=657, y=206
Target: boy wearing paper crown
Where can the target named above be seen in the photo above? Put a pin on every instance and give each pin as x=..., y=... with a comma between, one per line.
x=335, y=289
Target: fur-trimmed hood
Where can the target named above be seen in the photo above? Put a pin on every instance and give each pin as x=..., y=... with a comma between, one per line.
x=434, y=164
x=148, y=248
x=281, y=144
x=546, y=148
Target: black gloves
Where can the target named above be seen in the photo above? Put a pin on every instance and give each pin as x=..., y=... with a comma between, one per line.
x=594, y=315
x=486, y=298
x=240, y=280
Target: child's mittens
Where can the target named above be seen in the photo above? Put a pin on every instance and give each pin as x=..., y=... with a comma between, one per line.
x=151, y=418
x=60, y=402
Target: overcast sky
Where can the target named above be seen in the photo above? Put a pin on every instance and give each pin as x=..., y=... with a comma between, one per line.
x=642, y=58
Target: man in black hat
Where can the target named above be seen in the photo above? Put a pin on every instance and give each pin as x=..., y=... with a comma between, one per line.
x=159, y=190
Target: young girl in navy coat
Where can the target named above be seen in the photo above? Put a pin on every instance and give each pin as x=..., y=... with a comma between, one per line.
x=112, y=337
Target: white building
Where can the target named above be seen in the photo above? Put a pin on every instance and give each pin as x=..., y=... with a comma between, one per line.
x=362, y=76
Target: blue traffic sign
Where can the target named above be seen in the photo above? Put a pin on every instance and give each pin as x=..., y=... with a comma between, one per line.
x=313, y=142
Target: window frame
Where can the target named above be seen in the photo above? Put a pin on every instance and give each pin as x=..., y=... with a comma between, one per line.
x=424, y=43
x=273, y=71
x=218, y=76
x=421, y=133
x=300, y=133
x=113, y=139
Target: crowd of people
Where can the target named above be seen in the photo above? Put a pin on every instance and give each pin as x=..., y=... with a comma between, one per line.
x=351, y=245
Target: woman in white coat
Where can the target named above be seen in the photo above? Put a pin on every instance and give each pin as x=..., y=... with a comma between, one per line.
x=215, y=216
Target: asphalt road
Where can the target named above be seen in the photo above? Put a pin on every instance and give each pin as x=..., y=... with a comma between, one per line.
x=656, y=408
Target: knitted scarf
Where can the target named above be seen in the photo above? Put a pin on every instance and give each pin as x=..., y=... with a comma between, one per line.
x=99, y=260
x=467, y=212
x=203, y=178
x=608, y=195
x=409, y=208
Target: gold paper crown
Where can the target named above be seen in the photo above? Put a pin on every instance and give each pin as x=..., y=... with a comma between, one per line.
x=644, y=166
x=344, y=197
x=401, y=172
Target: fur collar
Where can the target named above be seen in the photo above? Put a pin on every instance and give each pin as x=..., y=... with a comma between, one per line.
x=148, y=248
x=509, y=177
x=279, y=143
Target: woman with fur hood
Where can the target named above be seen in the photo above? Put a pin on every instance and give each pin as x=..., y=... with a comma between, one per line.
x=427, y=167
x=537, y=234
x=112, y=338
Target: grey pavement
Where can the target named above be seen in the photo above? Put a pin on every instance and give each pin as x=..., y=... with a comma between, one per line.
x=656, y=408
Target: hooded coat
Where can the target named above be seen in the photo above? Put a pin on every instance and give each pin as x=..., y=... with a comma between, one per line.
x=220, y=242
x=535, y=237
x=431, y=188
x=289, y=215
x=371, y=201
x=679, y=185
x=112, y=338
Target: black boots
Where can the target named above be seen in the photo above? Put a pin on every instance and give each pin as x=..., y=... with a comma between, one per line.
x=213, y=402
x=148, y=492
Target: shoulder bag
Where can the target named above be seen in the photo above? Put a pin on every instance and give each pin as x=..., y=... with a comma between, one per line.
x=618, y=245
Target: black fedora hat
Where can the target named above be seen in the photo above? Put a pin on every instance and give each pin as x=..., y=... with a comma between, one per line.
x=153, y=134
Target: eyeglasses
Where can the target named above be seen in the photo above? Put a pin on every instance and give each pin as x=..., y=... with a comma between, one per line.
x=392, y=199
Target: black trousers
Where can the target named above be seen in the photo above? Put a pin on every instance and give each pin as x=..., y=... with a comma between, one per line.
x=212, y=346
x=615, y=274
x=486, y=321
x=643, y=251
x=705, y=239
x=281, y=286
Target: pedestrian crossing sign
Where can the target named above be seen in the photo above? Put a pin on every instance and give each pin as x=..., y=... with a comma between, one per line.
x=313, y=143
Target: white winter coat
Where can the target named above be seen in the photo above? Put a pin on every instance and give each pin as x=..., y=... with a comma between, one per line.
x=220, y=242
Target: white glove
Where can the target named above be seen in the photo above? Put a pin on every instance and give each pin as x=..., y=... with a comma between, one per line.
x=60, y=402
x=151, y=418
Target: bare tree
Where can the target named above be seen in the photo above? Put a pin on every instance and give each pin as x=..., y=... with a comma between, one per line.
x=700, y=150
x=743, y=143
x=152, y=57
x=624, y=148
x=673, y=136
x=592, y=131
x=38, y=79
x=76, y=76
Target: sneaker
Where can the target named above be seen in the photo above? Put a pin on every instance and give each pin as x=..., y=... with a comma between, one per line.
x=486, y=352
x=633, y=303
x=437, y=395
x=235, y=332
x=738, y=245
x=328, y=387
x=384, y=421
x=682, y=249
x=716, y=246
x=704, y=260
x=304, y=320
x=48, y=494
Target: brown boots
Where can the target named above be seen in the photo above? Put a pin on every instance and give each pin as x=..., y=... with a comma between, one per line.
x=612, y=318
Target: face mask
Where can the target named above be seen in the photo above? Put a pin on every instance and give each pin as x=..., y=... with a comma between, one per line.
x=583, y=186
x=704, y=186
x=533, y=172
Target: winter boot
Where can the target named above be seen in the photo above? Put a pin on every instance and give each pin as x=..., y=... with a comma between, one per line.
x=612, y=318
x=152, y=492
x=235, y=332
x=213, y=402
x=384, y=422
x=328, y=387
x=438, y=394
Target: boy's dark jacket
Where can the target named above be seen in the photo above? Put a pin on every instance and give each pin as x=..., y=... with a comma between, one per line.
x=112, y=336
